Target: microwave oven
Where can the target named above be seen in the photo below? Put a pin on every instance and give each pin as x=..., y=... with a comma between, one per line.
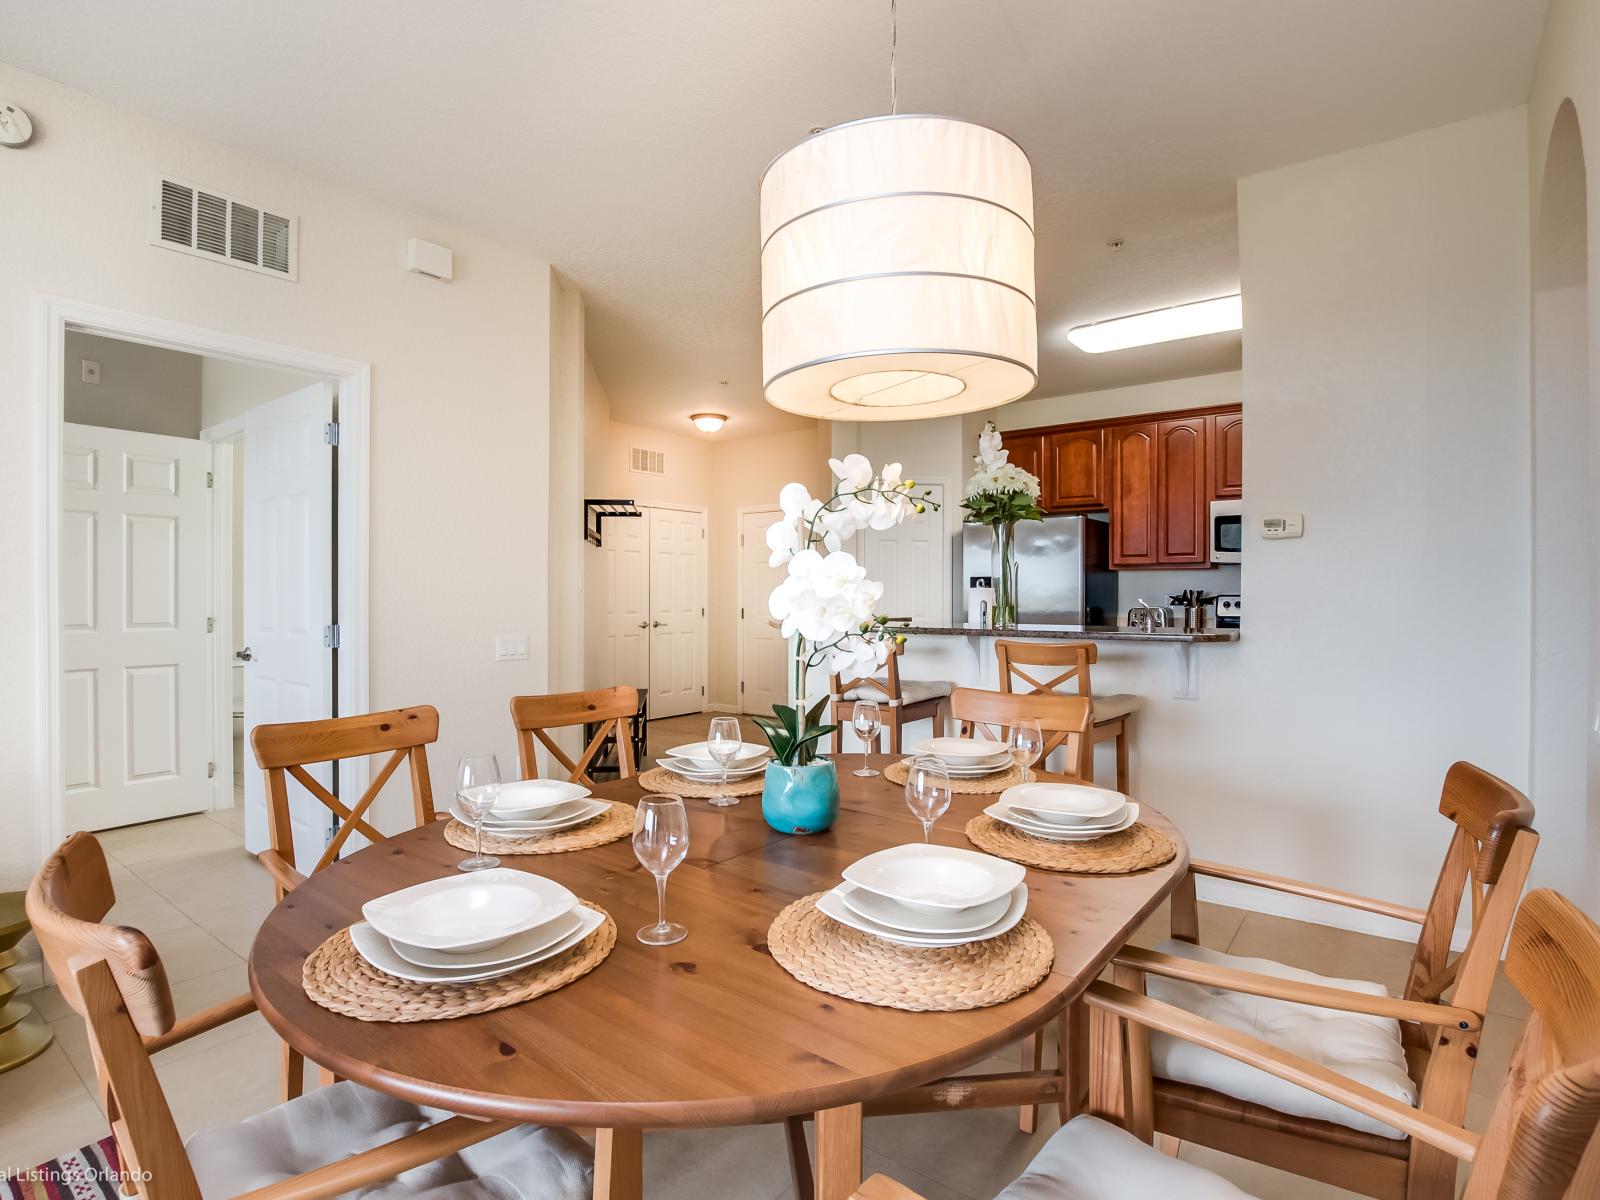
x=1227, y=531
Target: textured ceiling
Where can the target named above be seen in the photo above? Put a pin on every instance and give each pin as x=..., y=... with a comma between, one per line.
x=622, y=139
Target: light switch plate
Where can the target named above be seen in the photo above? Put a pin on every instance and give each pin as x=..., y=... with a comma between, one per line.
x=509, y=647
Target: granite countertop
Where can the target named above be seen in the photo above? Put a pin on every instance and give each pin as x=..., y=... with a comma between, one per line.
x=1090, y=633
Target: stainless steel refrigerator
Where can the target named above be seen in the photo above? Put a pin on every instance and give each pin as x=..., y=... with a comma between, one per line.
x=1064, y=576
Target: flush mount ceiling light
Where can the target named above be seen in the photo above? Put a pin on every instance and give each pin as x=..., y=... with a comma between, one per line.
x=709, y=422
x=1221, y=315
x=897, y=270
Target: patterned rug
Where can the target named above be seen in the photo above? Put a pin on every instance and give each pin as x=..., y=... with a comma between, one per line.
x=86, y=1174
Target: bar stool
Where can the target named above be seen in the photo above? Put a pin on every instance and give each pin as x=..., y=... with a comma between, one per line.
x=902, y=701
x=23, y=1034
x=1072, y=659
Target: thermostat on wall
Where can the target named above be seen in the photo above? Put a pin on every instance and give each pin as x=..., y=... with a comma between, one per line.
x=1283, y=525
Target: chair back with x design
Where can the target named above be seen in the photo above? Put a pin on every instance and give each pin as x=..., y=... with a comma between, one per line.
x=610, y=708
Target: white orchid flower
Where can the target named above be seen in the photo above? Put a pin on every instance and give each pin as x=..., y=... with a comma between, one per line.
x=784, y=540
x=854, y=472
x=793, y=499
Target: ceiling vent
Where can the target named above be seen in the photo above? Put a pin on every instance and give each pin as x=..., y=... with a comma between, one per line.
x=646, y=462
x=208, y=224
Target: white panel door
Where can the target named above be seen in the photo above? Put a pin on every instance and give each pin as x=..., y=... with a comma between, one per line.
x=135, y=653
x=625, y=657
x=677, y=612
x=763, y=653
x=912, y=561
x=288, y=594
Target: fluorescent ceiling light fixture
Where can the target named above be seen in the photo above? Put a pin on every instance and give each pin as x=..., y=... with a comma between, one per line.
x=1221, y=315
x=709, y=422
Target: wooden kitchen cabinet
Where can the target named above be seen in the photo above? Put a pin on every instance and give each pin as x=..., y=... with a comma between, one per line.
x=1027, y=451
x=1133, y=495
x=1225, y=449
x=1182, y=493
x=1074, y=478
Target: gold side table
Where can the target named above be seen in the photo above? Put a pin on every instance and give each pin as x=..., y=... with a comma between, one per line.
x=23, y=1035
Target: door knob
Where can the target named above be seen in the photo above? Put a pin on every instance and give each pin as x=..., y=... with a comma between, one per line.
x=644, y=624
x=243, y=655
x=655, y=624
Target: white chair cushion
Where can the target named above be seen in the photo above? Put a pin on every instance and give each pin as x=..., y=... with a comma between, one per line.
x=1091, y=1159
x=912, y=691
x=331, y=1123
x=1363, y=1048
x=1109, y=708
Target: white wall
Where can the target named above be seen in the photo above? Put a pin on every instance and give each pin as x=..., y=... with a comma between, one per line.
x=142, y=388
x=1566, y=483
x=460, y=428
x=228, y=389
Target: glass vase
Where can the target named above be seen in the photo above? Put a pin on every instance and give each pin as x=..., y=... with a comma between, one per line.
x=1004, y=570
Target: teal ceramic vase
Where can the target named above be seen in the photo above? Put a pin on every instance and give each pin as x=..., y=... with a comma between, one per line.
x=801, y=799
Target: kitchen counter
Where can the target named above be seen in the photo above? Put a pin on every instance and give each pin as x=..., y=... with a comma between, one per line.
x=1082, y=633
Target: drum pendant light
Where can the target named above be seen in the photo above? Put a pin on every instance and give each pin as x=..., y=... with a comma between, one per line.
x=897, y=270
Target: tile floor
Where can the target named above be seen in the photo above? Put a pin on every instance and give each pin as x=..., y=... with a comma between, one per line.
x=190, y=885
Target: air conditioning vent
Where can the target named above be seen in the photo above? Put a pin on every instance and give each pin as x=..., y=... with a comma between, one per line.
x=208, y=224
x=647, y=462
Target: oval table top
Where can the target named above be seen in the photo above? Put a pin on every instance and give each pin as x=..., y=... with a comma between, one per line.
x=710, y=1031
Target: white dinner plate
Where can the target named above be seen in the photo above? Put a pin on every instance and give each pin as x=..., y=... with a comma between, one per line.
x=468, y=912
x=513, y=950
x=833, y=905
x=690, y=769
x=894, y=915
x=750, y=754
x=380, y=952
x=975, y=772
x=1060, y=833
x=534, y=797
x=957, y=749
x=1065, y=821
x=1077, y=800
x=579, y=813
x=935, y=878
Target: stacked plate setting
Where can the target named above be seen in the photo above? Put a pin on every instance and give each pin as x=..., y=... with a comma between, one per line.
x=468, y=928
x=527, y=807
x=1064, y=812
x=922, y=895
x=965, y=758
x=694, y=762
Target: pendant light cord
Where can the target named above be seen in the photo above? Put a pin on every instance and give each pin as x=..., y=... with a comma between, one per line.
x=894, y=43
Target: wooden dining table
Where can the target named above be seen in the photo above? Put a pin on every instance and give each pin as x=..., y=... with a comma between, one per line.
x=710, y=1031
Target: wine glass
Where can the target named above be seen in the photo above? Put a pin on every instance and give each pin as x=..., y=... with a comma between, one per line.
x=1026, y=742
x=866, y=720
x=660, y=840
x=723, y=744
x=478, y=789
x=927, y=792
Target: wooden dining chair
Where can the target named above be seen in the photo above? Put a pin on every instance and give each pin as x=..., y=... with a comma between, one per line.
x=1064, y=720
x=330, y=1142
x=285, y=751
x=610, y=708
x=1024, y=667
x=900, y=701
x=1424, y=1043
x=1534, y=1148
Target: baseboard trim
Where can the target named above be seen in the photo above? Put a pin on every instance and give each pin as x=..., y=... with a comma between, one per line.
x=1315, y=912
x=730, y=709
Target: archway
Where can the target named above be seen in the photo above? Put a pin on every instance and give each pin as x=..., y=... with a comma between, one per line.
x=1565, y=766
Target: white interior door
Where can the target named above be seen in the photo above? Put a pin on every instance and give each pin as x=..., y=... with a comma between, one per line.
x=288, y=594
x=912, y=561
x=763, y=653
x=135, y=651
x=677, y=612
x=625, y=654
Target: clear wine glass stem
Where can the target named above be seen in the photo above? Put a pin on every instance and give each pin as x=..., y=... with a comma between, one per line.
x=661, y=901
x=864, y=744
x=927, y=831
x=477, y=835
x=724, y=792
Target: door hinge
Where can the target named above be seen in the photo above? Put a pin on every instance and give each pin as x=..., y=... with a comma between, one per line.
x=741, y=613
x=211, y=479
x=330, y=433
x=741, y=687
x=702, y=689
x=702, y=610
x=330, y=636
x=211, y=624
x=211, y=770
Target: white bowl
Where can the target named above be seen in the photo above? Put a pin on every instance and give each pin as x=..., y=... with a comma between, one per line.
x=529, y=797
x=1016, y=902
x=468, y=912
x=1079, y=801
x=1062, y=833
x=957, y=749
x=690, y=769
x=380, y=952
x=894, y=915
x=518, y=949
x=935, y=878
x=699, y=753
x=565, y=816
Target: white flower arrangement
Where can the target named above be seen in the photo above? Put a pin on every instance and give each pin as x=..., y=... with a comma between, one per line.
x=999, y=492
x=826, y=602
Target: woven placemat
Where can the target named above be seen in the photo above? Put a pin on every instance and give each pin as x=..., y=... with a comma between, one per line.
x=616, y=822
x=833, y=958
x=659, y=779
x=338, y=978
x=1135, y=849
x=983, y=785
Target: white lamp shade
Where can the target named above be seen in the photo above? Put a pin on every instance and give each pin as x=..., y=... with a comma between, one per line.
x=897, y=271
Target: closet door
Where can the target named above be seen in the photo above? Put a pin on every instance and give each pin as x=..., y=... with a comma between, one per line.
x=677, y=612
